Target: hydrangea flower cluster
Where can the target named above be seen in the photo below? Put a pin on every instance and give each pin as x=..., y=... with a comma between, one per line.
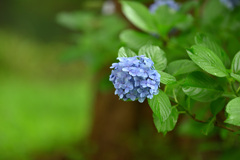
x=170, y=3
x=135, y=78
x=231, y=4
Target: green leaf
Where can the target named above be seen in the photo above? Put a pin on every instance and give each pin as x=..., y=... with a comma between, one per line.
x=168, y=124
x=217, y=105
x=175, y=91
x=163, y=17
x=207, y=60
x=156, y=54
x=76, y=20
x=160, y=105
x=209, y=16
x=236, y=63
x=126, y=52
x=166, y=78
x=182, y=66
x=185, y=23
x=202, y=39
x=139, y=15
x=136, y=40
x=233, y=110
x=167, y=18
x=208, y=127
x=235, y=76
x=201, y=87
x=187, y=6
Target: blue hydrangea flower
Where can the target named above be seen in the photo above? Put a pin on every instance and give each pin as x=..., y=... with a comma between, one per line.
x=135, y=78
x=170, y=3
x=231, y=4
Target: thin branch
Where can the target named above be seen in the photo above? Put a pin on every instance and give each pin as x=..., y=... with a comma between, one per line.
x=217, y=124
x=194, y=117
x=224, y=127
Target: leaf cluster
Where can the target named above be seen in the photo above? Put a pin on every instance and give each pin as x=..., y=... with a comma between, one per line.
x=203, y=74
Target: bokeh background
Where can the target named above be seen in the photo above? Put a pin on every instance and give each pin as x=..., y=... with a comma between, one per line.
x=56, y=102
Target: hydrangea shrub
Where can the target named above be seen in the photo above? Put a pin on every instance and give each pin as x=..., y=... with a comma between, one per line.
x=204, y=76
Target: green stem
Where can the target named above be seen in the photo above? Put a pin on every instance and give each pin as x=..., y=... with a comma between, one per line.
x=181, y=112
x=238, y=89
x=229, y=95
x=231, y=82
x=188, y=103
x=165, y=89
x=175, y=97
x=233, y=88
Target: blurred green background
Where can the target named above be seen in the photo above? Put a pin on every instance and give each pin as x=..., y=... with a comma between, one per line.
x=56, y=102
x=45, y=103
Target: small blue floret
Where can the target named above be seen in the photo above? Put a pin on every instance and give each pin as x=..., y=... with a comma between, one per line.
x=170, y=3
x=135, y=78
x=231, y=4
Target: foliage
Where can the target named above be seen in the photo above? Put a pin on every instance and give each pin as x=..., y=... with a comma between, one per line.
x=199, y=73
x=97, y=40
